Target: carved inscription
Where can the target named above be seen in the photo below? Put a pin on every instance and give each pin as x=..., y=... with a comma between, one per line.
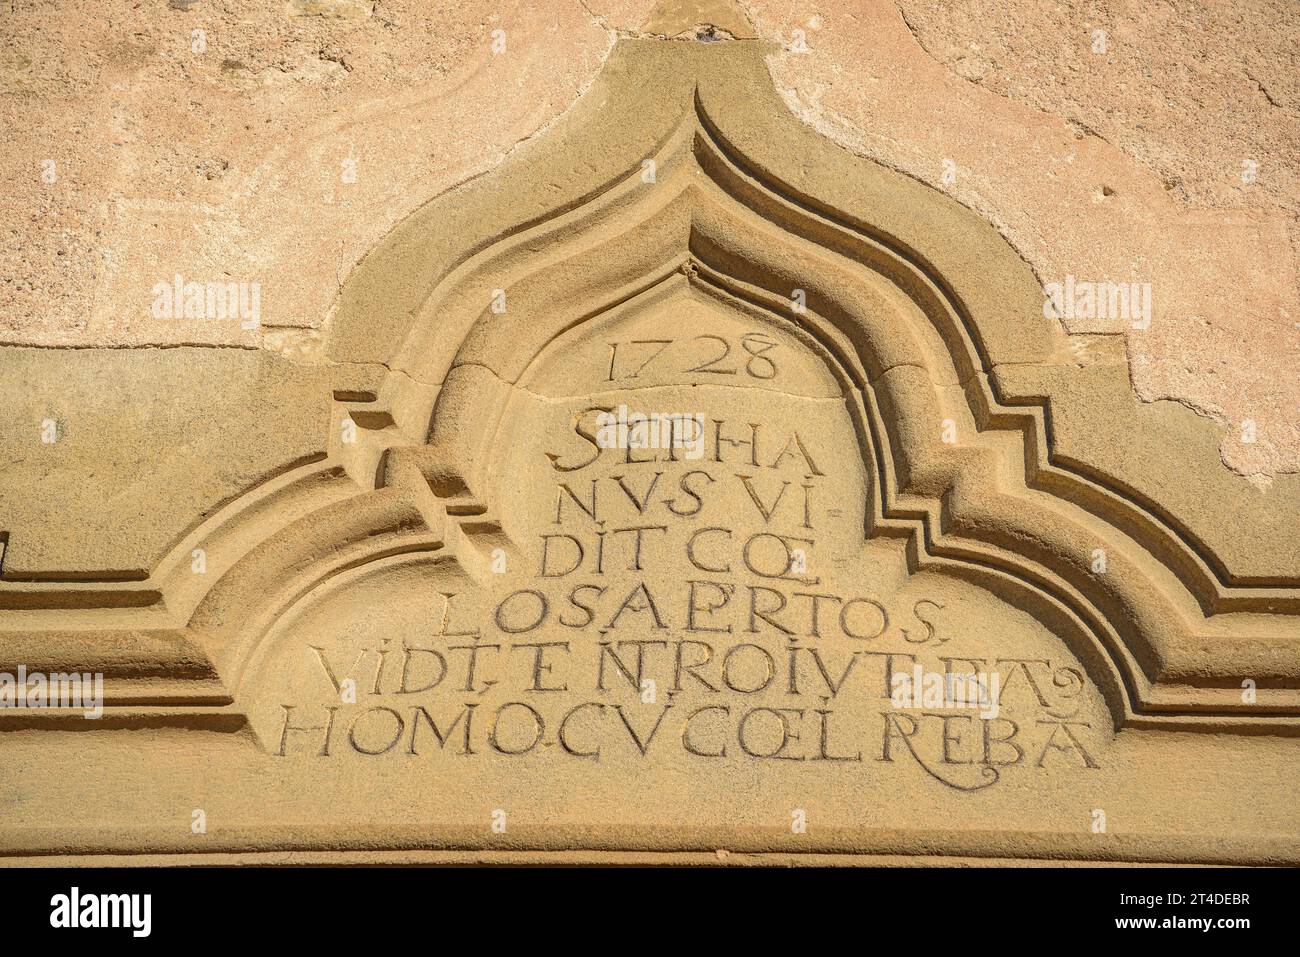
x=686, y=579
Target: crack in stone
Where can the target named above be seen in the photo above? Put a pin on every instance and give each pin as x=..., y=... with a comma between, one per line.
x=126, y=346
x=1263, y=89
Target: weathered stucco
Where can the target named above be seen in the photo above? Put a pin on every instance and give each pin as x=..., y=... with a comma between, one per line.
x=226, y=158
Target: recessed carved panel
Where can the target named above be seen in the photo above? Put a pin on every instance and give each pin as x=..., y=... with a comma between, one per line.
x=678, y=580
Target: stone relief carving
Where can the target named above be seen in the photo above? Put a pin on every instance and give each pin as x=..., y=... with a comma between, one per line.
x=683, y=449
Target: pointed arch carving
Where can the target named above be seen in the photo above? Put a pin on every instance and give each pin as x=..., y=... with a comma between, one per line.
x=926, y=313
x=906, y=338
